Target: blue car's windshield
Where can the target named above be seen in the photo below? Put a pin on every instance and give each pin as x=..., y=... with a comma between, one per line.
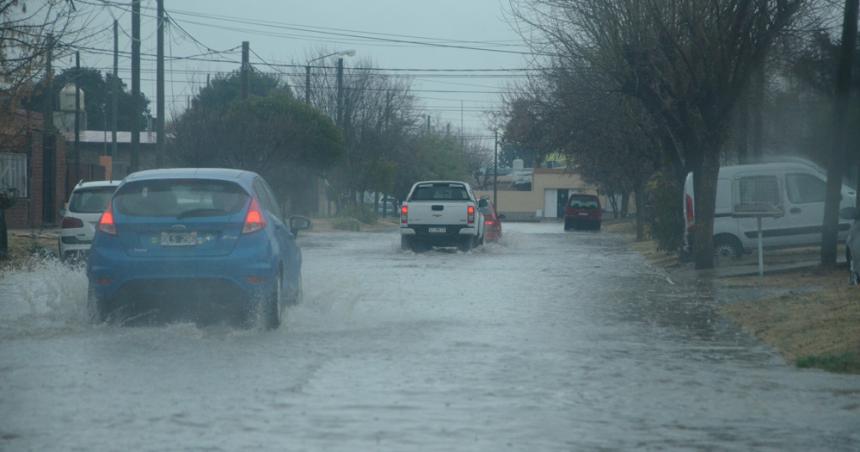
x=179, y=198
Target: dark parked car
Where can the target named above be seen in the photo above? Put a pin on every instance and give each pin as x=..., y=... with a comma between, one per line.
x=582, y=211
x=492, y=220
x=198, y=241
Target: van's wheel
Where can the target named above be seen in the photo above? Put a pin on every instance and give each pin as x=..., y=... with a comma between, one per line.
x=405, y=243
x=728, y=246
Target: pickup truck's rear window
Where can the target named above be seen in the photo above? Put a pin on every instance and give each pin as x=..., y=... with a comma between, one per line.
x=440, y=192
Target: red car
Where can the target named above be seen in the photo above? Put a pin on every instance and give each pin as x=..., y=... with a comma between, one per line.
x=582, y=211
x=492, y=221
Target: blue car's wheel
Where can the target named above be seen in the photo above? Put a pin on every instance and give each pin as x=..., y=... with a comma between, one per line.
x=271, y=308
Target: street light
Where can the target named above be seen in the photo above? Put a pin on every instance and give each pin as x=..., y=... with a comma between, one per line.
x=349, y=52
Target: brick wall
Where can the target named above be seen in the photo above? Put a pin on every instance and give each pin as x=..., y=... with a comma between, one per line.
x=27, y=212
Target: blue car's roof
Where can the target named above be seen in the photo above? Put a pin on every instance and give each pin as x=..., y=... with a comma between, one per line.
x=240, y=176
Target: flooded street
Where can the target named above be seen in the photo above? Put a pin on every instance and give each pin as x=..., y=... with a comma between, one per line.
x=546, y=341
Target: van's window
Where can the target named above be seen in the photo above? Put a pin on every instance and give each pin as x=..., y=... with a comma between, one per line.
x=758, y=191
x=91, y=200
x=440, y=192
x=584, y=202
x=180, y=198
x=805, y=188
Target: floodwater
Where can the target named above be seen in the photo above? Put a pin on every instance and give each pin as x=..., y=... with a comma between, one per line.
x=546, y=341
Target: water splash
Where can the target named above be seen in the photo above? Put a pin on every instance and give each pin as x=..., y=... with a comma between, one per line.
x=42, y=293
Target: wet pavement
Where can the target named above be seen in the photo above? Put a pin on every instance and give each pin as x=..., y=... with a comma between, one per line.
x=547, y=341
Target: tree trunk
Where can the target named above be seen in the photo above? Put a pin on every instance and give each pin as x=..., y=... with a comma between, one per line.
x=640, y=215
x=375, y=201
x=836, y=165
x=4, y=239
x=742, y=135
x=614, y=204
x=625, y=203
x=705, y=173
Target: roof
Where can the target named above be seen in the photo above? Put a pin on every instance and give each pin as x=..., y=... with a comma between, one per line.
x=104, y=136
x=772, y=166
x=441, y=182
x=97, y=184
x=241, y=176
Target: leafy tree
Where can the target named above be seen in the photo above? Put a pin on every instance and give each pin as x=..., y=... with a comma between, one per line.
x=97, y=98
x=271, y=133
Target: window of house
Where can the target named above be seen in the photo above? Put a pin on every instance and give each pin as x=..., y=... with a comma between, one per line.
x=13, y=173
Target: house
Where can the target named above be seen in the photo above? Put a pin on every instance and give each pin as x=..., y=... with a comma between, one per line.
x=34, y=169
x=529, y=194
x=97, y=161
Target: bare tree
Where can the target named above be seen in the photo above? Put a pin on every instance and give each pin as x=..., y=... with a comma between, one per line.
x=686, y=61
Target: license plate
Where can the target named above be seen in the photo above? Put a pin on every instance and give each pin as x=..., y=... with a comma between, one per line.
x=438, y=230
x=178, y=238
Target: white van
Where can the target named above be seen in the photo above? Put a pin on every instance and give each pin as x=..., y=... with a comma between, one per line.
x=800, y=188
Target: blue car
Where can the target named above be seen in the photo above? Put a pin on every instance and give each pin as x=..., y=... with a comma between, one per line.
x=195, y=241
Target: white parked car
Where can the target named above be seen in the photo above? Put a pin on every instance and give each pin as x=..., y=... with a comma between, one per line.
x=798, y=187
x=441, y=213
x=86, y=204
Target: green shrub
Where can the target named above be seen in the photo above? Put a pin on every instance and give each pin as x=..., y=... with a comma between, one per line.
x=843, y=363
x=665, y=211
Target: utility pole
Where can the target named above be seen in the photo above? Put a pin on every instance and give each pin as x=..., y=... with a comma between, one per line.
x=135, y=85
x=245, y=69
x=496, y=171
x=339, y=113
x=48, y=138
x=114, y=89
x=77, y=119
x=308, y=84
x=462, y=130
x=159, y=88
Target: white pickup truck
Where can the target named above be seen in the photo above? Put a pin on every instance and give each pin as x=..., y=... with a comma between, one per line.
x=441, y=213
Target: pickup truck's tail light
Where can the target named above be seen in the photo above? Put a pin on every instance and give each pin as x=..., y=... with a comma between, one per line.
x=470, y=214
x=404, y=214
x=254, y=220
x=72, y=223
x=106, y=223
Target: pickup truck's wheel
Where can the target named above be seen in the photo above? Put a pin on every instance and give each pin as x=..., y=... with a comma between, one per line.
x=405, y=243
x=568, y=225
x=466, y=244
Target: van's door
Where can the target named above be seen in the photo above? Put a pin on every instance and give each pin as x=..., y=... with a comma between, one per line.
x=804, y=212
x=758, y=187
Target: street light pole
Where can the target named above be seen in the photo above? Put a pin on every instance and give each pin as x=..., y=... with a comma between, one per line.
x=496, y=171
x=339, y=92
x=308, y=70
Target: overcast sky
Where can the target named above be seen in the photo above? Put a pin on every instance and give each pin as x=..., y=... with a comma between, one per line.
x=283, y=31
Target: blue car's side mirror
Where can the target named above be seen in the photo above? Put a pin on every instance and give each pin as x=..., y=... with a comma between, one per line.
x=299, y=223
